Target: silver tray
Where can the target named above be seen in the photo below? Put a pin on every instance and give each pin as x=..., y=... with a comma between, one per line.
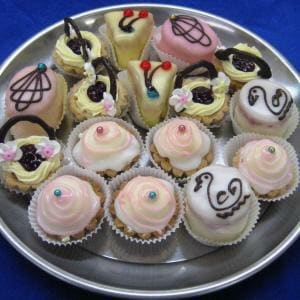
x=179, y=266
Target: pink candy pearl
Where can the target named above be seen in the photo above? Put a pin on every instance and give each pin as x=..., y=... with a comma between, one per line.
x=181, y=128
x=99, y=130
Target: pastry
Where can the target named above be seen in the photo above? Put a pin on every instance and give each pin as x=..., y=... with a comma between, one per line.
x=181, y=148
x=203, y=95
x=266, y=166
x=152, y=84
x=129, y=32
x=27, y=162
x=69, y=207
x=98, y=95
x=242, y=64
x=144, y=207
x=76, y=47
x=107, y=148
x=263, y=106
x=219, y=205
x=186, y=38
x=36, y=90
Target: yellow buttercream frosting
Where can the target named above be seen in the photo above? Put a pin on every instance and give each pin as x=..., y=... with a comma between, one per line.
x=198, y=109
x=38, y=175
x=238, y=75
x=72, y=59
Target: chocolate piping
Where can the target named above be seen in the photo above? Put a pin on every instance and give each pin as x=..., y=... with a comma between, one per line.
x=178, y=30
x=111, y=71
x=148, y=82
x=30, y=118
x=264, y=69
x=235, y=185
x=128, y=27
x=275, y=101
x=69, y=22
x=211, y=72
x=21, y=86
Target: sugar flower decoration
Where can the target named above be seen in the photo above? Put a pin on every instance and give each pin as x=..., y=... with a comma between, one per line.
x=47, y=148
x=221, y=83
x=180, y=99
x=109, y=105
x=9, y=151
x=89, y=71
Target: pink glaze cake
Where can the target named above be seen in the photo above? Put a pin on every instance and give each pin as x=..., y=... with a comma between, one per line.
x=186, y=38
x=35, y=90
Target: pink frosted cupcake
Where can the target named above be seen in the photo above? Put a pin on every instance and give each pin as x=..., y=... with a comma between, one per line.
x=186, y=38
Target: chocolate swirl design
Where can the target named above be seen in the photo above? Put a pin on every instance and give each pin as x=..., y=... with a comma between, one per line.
x=30, y=83
x=95, y=91
x=279, y=106
x=78, y=43
x=233, y=196
x=177, y=22
x=128, y=27
x=243, y=61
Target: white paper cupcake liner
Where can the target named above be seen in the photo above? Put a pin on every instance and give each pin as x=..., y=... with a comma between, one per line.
x=294, y=119
x=253, y=219
x=237, y=142
x=67, y=170
x=110, y=49
x=144, y=171
x=150, y=136
x=74, y=138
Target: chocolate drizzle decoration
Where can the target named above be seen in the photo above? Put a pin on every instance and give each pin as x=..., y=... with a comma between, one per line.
x=244, y=61
x=78, y=45
x=30, y=160
x=280, y=103
x=95, y=91
x=151, y=90
x=203, y=95
x=34, y=83
x=178, y=23
x=128, y=27
x=234, y=193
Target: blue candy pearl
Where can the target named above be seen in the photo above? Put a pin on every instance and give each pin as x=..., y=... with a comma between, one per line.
x=152, y=94
x=42, y=67
x=57, y=193
x=152, y=195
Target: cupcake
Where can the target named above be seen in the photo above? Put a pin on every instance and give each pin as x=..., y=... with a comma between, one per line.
x=267, y=166
x=69, y=207
x=129, y=32
x=181, y=147
x=106, y=146
x=265, y=107
x=152, y=83
x=242, y=64
x=35, y=90
x=27, y=162
x=185, y=39
x=76, y=47
x=146, y=205
x=221, y=208
x=98, y=95
x=203, y=95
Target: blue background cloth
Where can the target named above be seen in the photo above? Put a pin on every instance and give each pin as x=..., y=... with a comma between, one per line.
x=276, y=21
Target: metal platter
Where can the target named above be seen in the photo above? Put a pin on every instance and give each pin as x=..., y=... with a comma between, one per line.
x=179, y=266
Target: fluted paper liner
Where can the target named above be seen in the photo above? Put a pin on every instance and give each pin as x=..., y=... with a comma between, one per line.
x=237, y=142
x=67, y=170
x=153, y=130
x=111, y=51
x=144, y=171
x=81, y=127
x=293, y=122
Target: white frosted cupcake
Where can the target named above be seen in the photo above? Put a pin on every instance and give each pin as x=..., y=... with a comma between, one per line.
x=221, y=208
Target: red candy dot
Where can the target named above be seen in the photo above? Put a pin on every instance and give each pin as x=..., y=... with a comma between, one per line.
x=99, y=130
x=166, y=65
x=128, y=12
x=181, y=128
x=145, y=65
x=143, y=13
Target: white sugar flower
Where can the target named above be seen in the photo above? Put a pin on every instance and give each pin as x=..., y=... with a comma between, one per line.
x=180, y=99
x=9, y=151
x=47, y=148
x=221, y=83
x=109, y=104
x=89, y=71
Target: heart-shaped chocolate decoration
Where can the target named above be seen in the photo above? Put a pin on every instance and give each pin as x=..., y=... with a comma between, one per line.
x=202, y=95
x=75, y=45
x=95, y=91
x=30, y=160
x=242, y=64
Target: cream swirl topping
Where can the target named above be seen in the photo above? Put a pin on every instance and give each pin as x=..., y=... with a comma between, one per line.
x=146, y=204
x=106, y=145
x=183, y=143
x=265, y=165
x=66, y=206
